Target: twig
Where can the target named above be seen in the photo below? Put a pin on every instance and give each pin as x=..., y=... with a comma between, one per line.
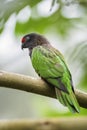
x=46, y=124
x=34, y=85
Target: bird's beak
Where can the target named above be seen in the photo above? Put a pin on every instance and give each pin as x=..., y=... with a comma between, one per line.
x=22, y=46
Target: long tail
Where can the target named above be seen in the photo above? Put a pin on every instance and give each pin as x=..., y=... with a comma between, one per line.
x=68, y=100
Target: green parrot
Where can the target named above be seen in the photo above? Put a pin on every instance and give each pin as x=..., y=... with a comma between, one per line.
x=50, y=65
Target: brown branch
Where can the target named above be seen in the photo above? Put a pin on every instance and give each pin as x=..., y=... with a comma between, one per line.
x=33, y=85
x=46, y=124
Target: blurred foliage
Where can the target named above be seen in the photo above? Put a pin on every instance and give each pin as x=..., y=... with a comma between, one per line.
x=79, y=55
x=8, y=7
x=58, y=22
x=52, y=113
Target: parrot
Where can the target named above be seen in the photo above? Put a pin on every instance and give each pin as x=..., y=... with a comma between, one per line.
x=51, y=66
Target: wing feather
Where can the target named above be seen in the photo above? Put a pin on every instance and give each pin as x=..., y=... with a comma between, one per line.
x=49, y=66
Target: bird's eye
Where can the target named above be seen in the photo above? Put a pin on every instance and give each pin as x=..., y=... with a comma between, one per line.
x=27, y=38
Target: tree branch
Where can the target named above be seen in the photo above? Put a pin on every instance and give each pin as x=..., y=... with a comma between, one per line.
x=46, y=124
x=34, y=85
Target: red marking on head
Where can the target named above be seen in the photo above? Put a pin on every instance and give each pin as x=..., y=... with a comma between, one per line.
x=23, y=40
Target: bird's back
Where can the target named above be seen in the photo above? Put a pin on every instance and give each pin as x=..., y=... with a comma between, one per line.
x=50, y=65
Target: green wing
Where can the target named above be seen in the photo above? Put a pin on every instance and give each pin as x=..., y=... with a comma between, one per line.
x=48, y=64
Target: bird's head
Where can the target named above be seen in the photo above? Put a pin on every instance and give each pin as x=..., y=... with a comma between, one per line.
x=32, y=40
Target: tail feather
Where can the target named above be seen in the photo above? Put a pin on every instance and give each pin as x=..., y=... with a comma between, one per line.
x=68, y=100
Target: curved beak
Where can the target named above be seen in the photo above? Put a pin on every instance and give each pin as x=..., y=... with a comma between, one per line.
x=22, y=46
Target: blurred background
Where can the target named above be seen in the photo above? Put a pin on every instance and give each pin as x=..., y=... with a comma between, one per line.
x=64, y=24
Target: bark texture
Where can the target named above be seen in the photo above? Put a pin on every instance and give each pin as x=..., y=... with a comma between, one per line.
x=34, y=85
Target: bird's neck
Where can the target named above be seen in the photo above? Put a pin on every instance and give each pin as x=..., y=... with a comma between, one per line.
x=30, y=51
x=43, y=45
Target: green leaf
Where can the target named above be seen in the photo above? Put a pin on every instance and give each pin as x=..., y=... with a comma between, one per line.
x=54, y=22
x=7, y=8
